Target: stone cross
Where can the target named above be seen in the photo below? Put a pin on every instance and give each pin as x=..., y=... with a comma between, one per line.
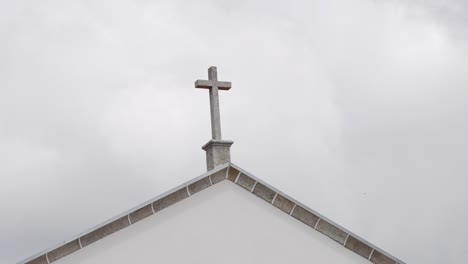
x=217, y=150
x=214, y=85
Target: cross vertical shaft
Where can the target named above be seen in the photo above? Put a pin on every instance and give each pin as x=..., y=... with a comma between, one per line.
x=214, y=105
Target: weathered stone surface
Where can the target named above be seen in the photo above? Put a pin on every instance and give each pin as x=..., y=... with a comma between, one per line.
x=305, y=216
x=214, y=85
x=232, y=174
x=380, y=258
x=170, y=199
x=246, y=182
x=264, y=192
x=283, y=203
x=104, y=231
x=39, y=260
x=218, y=176
x=141, y=213
x=358, y=247
x=217, y=153
x=208, y=84
x=64, y=250
x=199, y=185
x=331, y=231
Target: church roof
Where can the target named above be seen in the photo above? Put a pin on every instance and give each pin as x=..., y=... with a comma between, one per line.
x=238, y=176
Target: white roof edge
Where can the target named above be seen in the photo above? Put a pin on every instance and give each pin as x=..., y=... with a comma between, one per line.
x=216, y=169
x=315, y=212
x=89, y=230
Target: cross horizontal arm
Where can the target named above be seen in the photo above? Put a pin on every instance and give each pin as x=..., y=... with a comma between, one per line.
x=207, y=84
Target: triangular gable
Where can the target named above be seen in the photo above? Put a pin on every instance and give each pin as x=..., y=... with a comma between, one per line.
x=241, y=178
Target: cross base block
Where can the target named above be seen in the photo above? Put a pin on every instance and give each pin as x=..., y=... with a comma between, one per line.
x=217, y=152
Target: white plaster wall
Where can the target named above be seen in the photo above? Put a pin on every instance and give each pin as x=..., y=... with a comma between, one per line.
x=222, y=224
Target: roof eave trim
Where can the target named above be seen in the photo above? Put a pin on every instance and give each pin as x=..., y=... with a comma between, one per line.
x=316, y=213
x=127, y=212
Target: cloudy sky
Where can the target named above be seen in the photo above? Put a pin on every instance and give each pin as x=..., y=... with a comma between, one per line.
x=359, y=109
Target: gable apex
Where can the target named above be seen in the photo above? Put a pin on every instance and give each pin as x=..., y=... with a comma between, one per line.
x=239, y=177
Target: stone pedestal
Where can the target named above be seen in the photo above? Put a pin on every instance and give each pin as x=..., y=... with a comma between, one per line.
x=217, y=152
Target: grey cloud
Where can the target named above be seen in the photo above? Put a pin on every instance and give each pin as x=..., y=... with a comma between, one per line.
x=356, y=109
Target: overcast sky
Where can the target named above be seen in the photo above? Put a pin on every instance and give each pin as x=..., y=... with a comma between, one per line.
x=358, y=109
